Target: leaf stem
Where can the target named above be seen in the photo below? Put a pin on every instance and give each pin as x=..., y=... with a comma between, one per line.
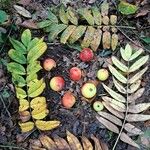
x=12, y=147
x=126, y=112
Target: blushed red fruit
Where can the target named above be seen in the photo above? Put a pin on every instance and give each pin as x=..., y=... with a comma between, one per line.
x=86, y=55
x=57, y=83
x=68, y=100
x=75, y=74
x=48, y=64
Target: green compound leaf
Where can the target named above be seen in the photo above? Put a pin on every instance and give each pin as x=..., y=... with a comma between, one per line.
x=72, y=16
x=3, y=16
x=44, y=23
x=52, y=17
x=18, y=80
x=97, y=16
x=63, y=15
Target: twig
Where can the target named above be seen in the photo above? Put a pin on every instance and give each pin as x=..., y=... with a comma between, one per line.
x=5, y=106
x=132, y=40
x=12, y=147
x=126, y=113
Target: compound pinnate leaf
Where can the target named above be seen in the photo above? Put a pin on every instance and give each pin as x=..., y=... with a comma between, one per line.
x=17, y=56
x=32, y=43
x=67, y=33
x=86, y=14
x=104, y=8
x=136, y=54
x=73, y=142
x=137, y=117
x=46, y=125
x=106, y=40
x=134, y=87
x=18, y=46
x=26, y=37
x=44, y=23
x=72, y=16
x=16, y=68
x=40, y=113
x=63, y=15
x=77, y=33
x=36, y=87
x=18, y=80
x=27, y=126
x=113, y=19
x=31, y=77
x=88, y=37
x=114, y=41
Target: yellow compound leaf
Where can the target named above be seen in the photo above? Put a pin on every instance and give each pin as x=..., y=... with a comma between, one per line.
x=66, y=34
x=46, y=125
x=23, y=105
x=73, y=142
x=36, y=87
x=88, y=37
x=40, y=113
x=47, y=142
x=105, y=20
x=27, y=126
x=77, y=33
x=106, y=40
x=96, y=39
x=38, y=102
x=114, y=41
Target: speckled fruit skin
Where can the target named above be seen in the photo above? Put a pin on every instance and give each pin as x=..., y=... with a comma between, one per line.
x=75, y=74
x=102, y=74
x=98, y=106
x=57, y=83
x=88, y=90
x=86, y=55
x=68, y=100
x=48, y=64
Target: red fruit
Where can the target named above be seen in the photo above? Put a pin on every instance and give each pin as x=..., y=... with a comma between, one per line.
x=57, y=83
x=75, y=74
x=86, y=54
x=48, y=64
x=68, y=100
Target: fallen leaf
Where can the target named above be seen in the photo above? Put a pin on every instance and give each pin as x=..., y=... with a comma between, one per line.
x=29, y=24
x=22, y=11
x=24, y=2
x=137, y=117
x=86, y=143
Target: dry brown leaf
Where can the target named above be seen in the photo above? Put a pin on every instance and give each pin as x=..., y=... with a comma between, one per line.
x=110, y=126
x=132, y=129
x=111, y=118
x=25, y=116
x=35, y=142
x=47, y=142
x=24, y=2
x=61, y=143
x=113, y=111
x=96, y=39
x=138, y=108
x=99, y=145
x=86, y=144
x=29, y=24
x=125, y=138
x=137, y=117
x=73, y=142
x=136, y=95
x=106, y=39
x=114, y=41
x=22, y=11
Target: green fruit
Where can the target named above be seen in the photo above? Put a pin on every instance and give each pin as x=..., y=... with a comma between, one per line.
x=88, y=90
x=98, y=106
x=102, y=74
